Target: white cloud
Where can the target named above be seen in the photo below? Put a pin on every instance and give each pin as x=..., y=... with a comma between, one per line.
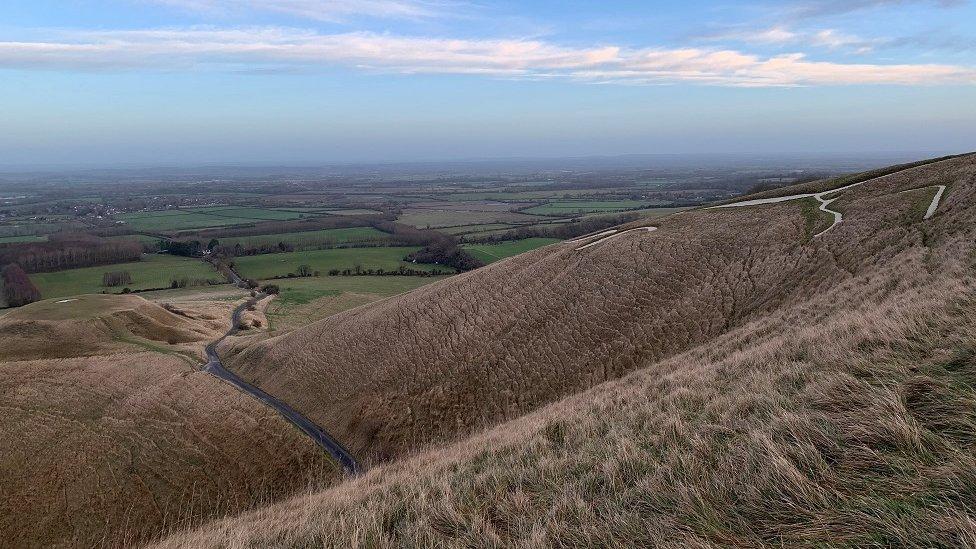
x=834, y=39
x=321, y=10
x=780, y=35
x=262, y=49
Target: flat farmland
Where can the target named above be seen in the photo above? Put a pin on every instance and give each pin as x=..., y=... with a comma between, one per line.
x=23, y=238
x=421, y=218
x=260, y=214
x=569, y=207
x=387, y=258
x=489, y=253
x=153, y=271
x=467, y=229
x=338, y=236
x=199, y=218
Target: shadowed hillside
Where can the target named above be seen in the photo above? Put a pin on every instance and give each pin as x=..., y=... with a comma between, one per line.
x=819, y=393
x=110, y=436
x=491, y=345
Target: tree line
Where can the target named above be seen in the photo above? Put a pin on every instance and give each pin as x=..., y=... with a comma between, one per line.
x=18, y=289
x=69, y=252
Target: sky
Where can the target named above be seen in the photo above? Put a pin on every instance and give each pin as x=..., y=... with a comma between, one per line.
x=184, y=82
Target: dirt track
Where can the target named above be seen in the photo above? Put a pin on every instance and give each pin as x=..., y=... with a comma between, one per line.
x=825, y=202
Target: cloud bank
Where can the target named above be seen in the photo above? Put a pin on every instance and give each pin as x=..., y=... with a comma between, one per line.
x=263, y=49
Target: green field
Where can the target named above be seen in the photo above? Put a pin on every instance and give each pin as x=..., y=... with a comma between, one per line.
x=354, y=211
x=337, y=236
x=271, y=265
x=467, y=229
x=490, y=253
x=302, y=300
x=154, y=271
x=24, y=238
x=422, y=218
x=198, y=218
x=586, y=206
x=260, y=214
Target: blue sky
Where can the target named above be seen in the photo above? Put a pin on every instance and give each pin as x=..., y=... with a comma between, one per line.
x=308, y=81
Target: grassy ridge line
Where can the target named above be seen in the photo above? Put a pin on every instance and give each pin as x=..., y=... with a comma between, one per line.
x=765, y=436
x=837, y=182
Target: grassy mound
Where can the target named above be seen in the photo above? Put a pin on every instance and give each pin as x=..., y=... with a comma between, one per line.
x=95, y=324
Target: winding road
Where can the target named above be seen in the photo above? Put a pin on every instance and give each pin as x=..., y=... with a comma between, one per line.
x=216, y=368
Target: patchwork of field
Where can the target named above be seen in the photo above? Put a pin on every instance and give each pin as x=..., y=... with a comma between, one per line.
x=350, y=235
x=467, y=229
x=430, y=218
x=199, y=218
x=153, y=271
x=352, y=211
x=586, y=206
x=489, y=253
x=267, y=266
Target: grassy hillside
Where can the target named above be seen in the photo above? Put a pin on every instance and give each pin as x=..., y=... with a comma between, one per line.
x=724, y=380
x=109, y=435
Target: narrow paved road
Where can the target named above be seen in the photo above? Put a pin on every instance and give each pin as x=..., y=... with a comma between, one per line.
x=216, y=368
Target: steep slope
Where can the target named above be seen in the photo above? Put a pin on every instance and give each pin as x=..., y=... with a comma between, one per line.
x=105, y=443
x=491, y=345
x=844, y=416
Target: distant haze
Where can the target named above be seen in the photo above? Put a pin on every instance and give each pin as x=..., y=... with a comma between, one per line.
x=312, y=82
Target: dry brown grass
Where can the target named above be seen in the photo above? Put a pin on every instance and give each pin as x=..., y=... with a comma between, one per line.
x=488, y=346
x=100, y=324
x=123, y=445
x=833, y=407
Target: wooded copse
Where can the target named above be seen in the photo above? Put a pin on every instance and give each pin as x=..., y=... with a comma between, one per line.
x=17, y=286
x=69, y=252
x=116, y=278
